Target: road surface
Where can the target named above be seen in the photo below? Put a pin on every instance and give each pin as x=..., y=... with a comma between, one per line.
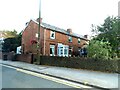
x=14, y=78
x=18, y=78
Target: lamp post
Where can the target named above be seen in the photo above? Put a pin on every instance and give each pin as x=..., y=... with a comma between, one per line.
x=38, y=39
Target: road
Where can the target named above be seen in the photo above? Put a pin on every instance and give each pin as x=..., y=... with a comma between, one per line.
x=18, y=78
x=14, y=78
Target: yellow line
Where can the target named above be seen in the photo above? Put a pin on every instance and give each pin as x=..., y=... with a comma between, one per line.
x=71, y=84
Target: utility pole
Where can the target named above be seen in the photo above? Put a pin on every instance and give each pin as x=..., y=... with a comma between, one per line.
x=38, y=40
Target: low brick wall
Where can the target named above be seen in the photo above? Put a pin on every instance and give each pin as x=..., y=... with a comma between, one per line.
x=7, y=55
x=24, y=57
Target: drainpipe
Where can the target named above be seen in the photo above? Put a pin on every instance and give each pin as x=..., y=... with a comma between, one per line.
x=44, y=40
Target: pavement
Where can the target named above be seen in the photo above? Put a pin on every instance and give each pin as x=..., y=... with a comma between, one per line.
x=91, y=78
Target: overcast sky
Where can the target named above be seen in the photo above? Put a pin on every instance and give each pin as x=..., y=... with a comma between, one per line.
x=75, y=14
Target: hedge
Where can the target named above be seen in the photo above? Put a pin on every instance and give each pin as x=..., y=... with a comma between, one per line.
x=77, y=62
x=82, y=63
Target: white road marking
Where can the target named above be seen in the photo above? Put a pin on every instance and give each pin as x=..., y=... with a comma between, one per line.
x=71, y=84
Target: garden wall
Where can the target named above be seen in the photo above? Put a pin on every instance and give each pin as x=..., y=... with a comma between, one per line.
x=7, y=55
x=24, y=57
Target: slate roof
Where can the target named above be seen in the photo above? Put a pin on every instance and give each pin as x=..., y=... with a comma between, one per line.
x=57, y=29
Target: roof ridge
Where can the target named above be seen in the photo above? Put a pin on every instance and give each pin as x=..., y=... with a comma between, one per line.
x=55, y=28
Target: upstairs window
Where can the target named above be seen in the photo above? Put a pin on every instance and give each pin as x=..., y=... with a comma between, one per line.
x=52, y=34
x=70, y=39
x=78, y=40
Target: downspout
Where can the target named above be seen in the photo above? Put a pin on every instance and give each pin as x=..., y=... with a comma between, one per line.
x=44, y=40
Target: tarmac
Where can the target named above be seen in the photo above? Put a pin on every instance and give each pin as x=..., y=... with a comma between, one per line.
x=96, y=79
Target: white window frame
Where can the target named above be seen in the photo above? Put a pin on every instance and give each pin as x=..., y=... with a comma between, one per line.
x=60, y=46
x=52, y=32
x=53, y=50
x=61, y=50
x=66, y=47
x=79, y=40
x=70, y=39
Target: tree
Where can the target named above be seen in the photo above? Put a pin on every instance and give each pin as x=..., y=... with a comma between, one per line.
x=99, y=49
x=109, y=31
x=12, y=41
x=8, y=34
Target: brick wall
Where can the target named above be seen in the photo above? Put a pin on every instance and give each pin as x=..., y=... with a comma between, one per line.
x=7, y=56
x=24, y=58
x=45, y=41
x=61, y=38
x=28, y=35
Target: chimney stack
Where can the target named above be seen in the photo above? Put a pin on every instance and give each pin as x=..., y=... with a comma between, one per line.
x=38, y=20
x=85, y=36
x=69, y=31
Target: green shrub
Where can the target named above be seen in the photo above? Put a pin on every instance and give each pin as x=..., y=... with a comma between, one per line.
x=99, y=49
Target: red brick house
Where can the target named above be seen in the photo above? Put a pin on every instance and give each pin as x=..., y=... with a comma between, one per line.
x=54, y=41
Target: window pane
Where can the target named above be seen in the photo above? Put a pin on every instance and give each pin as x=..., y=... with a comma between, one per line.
x=52, y=34
x=50, y=50
x=61, y=50
x=53, y=51
x=65, y=51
